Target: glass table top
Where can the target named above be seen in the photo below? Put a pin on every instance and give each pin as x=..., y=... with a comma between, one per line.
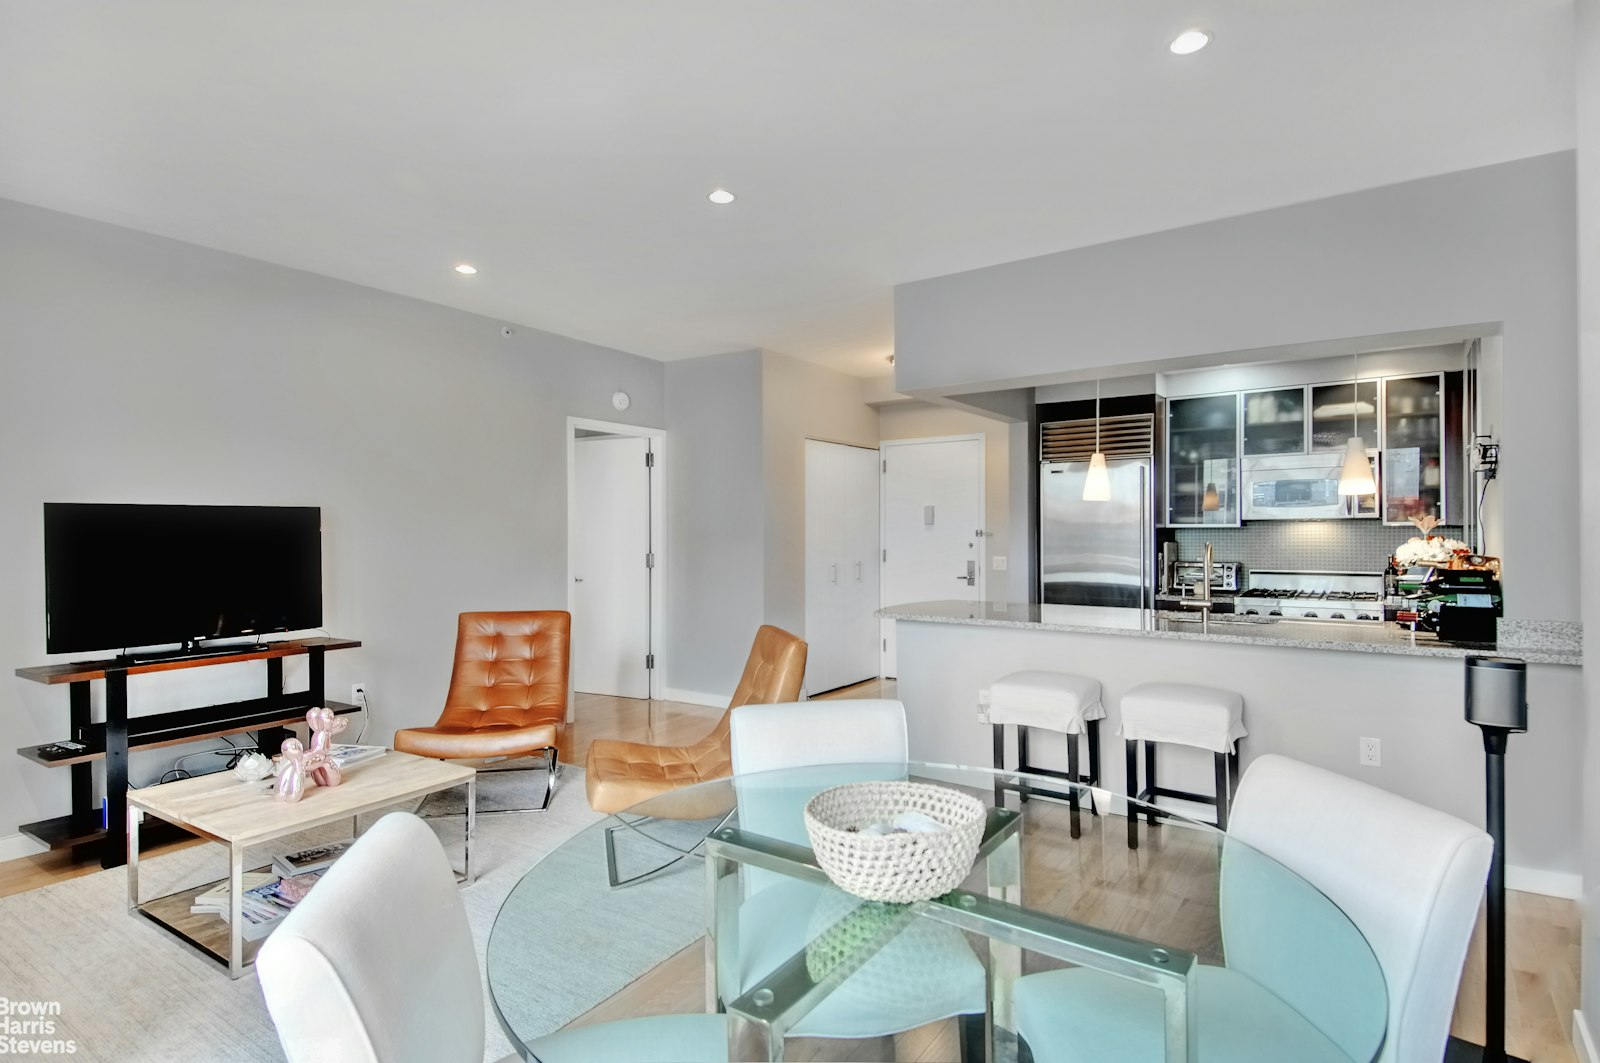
x=722, y=908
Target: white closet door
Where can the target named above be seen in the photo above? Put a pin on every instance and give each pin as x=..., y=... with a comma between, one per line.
x=822, y=564
x=863, y=565
x=841, y=565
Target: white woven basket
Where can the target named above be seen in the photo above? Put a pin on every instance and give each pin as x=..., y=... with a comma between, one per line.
x=894, y=867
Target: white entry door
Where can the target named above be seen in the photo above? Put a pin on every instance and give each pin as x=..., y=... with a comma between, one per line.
x=611, y=578
x=932, y=525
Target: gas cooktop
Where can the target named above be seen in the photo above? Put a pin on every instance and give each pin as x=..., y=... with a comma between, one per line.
x=1313, y=596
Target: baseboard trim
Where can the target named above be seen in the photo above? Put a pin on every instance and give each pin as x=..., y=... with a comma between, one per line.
x=16, y=846
x=696, y=697
x=1582, y=1040
x=1548, y=883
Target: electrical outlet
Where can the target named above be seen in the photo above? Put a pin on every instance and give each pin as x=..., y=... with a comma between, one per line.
x=358, y=694
x=1371, y=753
x=999, y=561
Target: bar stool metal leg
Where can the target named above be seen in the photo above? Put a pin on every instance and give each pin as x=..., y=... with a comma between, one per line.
x=999, y=764
x=1220, y=761
x=1072, y=785
x=1131, y=750
x=1094, y=760
x=1022, y=761
x=1150, y=783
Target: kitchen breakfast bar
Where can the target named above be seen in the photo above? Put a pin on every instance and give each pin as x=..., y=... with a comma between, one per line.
x=1306, y=695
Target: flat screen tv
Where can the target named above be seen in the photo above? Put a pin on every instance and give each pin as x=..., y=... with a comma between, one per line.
x=121, y=576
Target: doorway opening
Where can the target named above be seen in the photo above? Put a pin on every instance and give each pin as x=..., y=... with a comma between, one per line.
x=614, y=562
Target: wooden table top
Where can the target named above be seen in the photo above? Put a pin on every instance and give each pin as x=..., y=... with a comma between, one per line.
x=225, y=809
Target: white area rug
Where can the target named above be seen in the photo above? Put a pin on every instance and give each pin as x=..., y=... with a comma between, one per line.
x=130, y=991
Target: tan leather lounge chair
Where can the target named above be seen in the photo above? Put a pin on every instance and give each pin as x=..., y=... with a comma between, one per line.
x=620, y=775
x=508, y=694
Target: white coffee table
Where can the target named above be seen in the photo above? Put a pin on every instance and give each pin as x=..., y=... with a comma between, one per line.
x=222, y=809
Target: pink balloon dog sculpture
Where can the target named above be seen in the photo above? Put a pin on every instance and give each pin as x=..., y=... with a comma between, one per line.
x=315, y=764
x=324, y=725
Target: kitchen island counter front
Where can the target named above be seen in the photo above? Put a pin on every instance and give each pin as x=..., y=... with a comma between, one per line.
x=1537, y=642
x=1380, y=690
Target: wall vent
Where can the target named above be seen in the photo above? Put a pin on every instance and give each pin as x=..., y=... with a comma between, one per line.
x=1127, y=436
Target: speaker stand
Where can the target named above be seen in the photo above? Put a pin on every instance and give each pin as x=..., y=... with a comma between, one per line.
x=1493, y=1050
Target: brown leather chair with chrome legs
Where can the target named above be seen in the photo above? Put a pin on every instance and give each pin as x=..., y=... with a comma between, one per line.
x=620, y=775
x=507, y=699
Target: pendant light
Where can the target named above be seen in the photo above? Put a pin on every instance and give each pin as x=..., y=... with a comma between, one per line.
x=1356, y=476
x=1097, y=484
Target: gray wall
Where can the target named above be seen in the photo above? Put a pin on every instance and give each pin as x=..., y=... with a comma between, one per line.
x=1588, y=44
x=139, y=369
x=736, y=427
x=800, y=400
x=716, y=520
x=1492, y=245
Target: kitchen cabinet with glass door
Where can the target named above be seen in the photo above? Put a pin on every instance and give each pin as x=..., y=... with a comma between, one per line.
x=1203, y=460
x=1274, y=422
x=1412, y=480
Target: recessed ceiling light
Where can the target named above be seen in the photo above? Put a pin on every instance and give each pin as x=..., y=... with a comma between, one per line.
x=721, y=197
x=1189, y=41
x=464, y=268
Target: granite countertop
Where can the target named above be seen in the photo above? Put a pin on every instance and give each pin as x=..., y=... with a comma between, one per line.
x=1535, y=641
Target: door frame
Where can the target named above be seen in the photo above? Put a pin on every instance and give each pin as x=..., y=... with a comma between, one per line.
x=983, y=508
x=658, y=529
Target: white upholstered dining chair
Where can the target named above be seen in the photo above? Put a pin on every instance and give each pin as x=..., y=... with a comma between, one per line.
x=376, y=965
x=1408, y=877
x=925, y=973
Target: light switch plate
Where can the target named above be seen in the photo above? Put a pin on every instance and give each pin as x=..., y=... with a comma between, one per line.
x=999, y=562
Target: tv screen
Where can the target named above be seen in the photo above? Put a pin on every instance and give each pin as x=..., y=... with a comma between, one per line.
x=119, y=576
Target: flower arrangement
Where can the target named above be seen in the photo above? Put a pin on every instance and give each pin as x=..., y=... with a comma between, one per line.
x=1427, y=549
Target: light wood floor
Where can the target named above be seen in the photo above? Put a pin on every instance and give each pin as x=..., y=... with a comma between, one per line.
x=1542, y=946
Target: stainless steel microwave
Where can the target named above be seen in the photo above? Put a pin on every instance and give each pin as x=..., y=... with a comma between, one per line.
x=1301, y=487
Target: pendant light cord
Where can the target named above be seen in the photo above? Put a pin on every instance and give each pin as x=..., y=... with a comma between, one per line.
x=1097, y=415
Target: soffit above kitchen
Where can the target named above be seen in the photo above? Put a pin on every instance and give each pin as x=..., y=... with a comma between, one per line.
x=566, y=151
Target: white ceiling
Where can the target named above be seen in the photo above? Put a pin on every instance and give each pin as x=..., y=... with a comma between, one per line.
x=566, y=149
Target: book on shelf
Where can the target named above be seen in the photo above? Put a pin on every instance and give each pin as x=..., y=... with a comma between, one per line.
x=265, y=901
x=317, y=858
x=346, y=755
x=215, y=899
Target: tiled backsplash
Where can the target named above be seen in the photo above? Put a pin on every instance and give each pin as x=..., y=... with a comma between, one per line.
x=1296, y=545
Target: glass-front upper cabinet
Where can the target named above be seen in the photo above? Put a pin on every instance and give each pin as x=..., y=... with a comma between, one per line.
x=1275, y=422
x=1334, y=419
x=1413, y=447
x=1203, y=460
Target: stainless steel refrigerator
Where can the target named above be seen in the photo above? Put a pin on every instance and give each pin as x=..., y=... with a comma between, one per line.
x=1097, y=553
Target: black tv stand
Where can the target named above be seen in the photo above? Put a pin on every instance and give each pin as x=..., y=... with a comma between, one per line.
x=112, y=740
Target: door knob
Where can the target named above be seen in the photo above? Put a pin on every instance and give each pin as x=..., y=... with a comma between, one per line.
x=577, y=579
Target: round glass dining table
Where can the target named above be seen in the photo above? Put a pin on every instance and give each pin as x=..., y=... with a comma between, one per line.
x=1061, y=944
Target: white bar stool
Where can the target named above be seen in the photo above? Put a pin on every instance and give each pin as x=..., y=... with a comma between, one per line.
x=1053, y=701
x=1187, y=715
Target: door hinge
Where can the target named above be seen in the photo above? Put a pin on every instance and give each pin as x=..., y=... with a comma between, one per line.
x=650, y=560
x=886, y=553
x=885, y=464
x=649, y=661
x=650, y=459
x=885, y=645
